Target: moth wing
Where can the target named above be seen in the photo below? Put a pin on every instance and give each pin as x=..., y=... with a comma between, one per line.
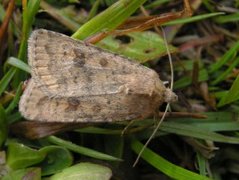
x=35, y=105
x=64, y=67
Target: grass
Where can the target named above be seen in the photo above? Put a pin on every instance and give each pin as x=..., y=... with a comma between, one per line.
x=194, y=143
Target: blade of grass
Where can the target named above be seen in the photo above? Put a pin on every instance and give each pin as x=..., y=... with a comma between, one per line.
x=2, y=12
x=4, y=83
x=222, y=76
x=187, y=80
x=208, y=5
x=59, y=16
x=156, y=3
x=228, y=18
x=14, y=102
x=216, y=126
x=108, y=19
x=192, y=19
x=202, y=161
x=225, y=58
x=82, y=150
x=14, y=117
x=29, y=11
x=98, y=130
x=232, y=95
x=168, y=168
x=19, y=64
x=94, y=9
x=3, y=125
x=191, y=131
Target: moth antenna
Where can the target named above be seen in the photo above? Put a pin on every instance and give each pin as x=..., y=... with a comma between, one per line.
x=172, y=97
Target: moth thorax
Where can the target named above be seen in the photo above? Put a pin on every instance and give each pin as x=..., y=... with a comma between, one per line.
x=170, y=96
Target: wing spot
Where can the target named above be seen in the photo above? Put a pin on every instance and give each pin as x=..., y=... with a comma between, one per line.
x=79, y=62
x=42, y=101
x=75, y=79
x=73, y=101
x=73, y=104
x=71, y=108
x=103, y=62
x=50, y=49
x=79, y=54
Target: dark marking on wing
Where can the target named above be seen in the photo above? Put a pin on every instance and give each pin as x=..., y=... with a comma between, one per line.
x=79, y=53
x=103, y=62
x=42, y=101
x=73, y=101
x=73, y=104
x=79, y=62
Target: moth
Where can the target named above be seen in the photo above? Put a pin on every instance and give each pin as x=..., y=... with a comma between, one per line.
x=76, y=82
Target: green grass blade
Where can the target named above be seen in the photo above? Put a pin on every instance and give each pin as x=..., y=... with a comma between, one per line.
x=228, y=18
x=94, y=9
x=202, y=164
x=217, y=126
x=223, y=76
x=4, y=83
x=168, y=168
x=28, y=18
x=14, y=117
x=60, y=16
x=14, y=102
x=192, y=19
x=28, y=15
x=3, y=126
x=19, y=64
x=82, y=150
x=225, y=58
x=108, y=19
x=2, y=12
x=156, y=3
x=232, y=95
x=187, y=80
x=98, y=130
x=196, y=132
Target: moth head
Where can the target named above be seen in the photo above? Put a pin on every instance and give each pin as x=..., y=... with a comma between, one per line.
x=170, y=96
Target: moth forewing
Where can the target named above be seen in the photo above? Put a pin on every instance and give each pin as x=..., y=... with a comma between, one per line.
x=75, y=82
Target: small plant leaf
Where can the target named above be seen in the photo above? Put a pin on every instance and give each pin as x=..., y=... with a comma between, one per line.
x=85, y=170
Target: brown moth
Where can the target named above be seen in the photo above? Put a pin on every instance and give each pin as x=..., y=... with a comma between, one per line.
x=75, y=82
